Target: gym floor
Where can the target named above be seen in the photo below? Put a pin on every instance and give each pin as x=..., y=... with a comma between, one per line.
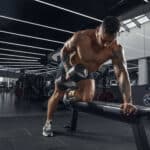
x=22, y=130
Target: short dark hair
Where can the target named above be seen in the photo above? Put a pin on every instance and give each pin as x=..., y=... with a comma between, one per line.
x=111, y=25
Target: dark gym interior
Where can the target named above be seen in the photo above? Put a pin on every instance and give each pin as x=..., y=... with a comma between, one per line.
x=32, y=33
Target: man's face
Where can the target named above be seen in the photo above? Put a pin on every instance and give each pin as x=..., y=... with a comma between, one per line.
x=106, y=39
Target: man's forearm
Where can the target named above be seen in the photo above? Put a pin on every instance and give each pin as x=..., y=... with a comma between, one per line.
x=125, y=88
x=65, y=57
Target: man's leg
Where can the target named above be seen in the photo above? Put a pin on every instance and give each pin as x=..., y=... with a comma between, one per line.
x=52, y=104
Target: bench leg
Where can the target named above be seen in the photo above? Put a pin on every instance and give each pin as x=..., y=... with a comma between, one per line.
x=74, y=119
x=140, y=135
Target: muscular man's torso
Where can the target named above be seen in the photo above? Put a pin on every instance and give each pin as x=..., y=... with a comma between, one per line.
x=89, y=53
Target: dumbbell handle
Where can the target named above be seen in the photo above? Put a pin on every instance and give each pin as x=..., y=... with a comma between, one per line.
x=78, y=71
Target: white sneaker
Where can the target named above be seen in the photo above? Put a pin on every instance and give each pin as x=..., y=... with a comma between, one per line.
x=47, y=129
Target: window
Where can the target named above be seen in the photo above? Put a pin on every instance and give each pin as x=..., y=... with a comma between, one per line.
x=143, y=19
x=131, y=25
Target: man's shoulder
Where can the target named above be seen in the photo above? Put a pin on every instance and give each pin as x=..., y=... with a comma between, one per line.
x=117, y=51
x=117, y=47
x=84, y=34
x=77, y=38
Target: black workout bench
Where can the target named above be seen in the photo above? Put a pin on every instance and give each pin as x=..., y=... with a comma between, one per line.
x=113, y=111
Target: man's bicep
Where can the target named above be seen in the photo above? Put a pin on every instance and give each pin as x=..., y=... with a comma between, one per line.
x=119, y=62
x=68, y=49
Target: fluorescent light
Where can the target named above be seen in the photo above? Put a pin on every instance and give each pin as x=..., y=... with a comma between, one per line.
x=41, y=66
x=29, y=46
x=140, y=16
x=36, y=24
x=131, y=25
x=37, y=70
x=132, y=64
x=68, y=10
x=146, y=1
x=10, y=68
x=3, y=69
x=46, y=72
x=19, y=68
x=22, y=65
x=41, y=69
x=32, y=37
x=18, y=56
x=126, y=21
x=143, y=20
x=52, y=71
x=19, y=62
x=18, y=51
x=17, y=59
x=1, y=79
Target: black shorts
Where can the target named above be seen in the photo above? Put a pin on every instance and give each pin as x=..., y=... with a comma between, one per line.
x=62, y=73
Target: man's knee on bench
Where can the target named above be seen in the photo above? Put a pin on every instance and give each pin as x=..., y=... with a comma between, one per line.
x=80, y=95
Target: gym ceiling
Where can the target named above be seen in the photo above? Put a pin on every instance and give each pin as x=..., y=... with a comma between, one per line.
x=32, y=30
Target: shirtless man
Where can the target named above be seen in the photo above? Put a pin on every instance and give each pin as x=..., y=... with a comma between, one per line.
x=92, y=48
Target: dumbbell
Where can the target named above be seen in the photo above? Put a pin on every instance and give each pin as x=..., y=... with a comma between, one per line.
x=76, y=73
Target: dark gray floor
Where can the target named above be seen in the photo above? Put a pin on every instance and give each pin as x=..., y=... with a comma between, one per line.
x=94, y=133
x=23, y=132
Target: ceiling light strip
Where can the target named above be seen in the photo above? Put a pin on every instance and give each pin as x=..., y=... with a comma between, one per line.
x=18, y=51
x=28, y=60
x=36, y=70
x=68, y=10
x=46, y=72
x=36, y=24
x=29, y=46
x=32, y=37
x=19, y=62
x=18, y=56
x=22, y=65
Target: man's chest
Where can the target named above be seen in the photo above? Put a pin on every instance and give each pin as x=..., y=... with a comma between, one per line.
x=95, y=54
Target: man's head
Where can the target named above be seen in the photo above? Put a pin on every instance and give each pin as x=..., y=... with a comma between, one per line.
x=108, y=30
